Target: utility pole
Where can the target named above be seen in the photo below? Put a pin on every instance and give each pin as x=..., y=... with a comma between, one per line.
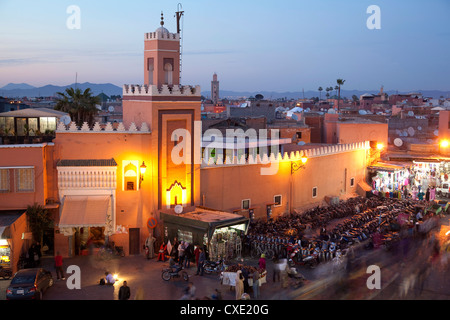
x=179, y=15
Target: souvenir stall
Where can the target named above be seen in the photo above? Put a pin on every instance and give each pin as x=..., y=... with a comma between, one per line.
x=432, y=174
x=228, y=277
x=220, y=232
x=388, y=177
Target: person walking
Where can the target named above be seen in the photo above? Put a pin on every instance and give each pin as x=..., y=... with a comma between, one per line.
x=188, y=255
x=181, y=250
x=201, y=261
x=189, y=292
x=256, y=277
x=197, y=255
x=124, y=292
x=276, y=269
x=149, y=244
x=59, y=266
x=262, y=262
x=239, y=288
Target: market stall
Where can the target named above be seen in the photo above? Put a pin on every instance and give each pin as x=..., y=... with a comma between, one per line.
x=228, y=277
x=221, y=232
x=388, y=177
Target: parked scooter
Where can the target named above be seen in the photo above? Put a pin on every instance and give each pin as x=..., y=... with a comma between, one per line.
x=5, y=273
x=214, y=266
x=174, y=272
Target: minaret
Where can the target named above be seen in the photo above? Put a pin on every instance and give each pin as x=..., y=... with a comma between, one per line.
x=215, y=89
x=169, y=110
x=162, y=57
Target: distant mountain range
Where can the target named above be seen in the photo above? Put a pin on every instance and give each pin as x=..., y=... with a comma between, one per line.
x=19, y=90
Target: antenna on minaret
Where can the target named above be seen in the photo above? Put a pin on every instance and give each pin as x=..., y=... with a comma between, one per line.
x=179, y=15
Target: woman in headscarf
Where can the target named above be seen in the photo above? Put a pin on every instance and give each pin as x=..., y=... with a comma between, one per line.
x=239, y=288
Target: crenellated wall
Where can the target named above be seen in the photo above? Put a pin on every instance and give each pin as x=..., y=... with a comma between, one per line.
x=165, y=90
x=293, y=156
x=109, y=128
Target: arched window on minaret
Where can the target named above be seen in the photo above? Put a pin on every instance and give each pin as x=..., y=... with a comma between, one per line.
x=168, y=74
x=150, y=69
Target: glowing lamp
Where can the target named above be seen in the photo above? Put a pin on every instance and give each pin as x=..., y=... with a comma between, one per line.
x=380, y=146
x=444, y=143
x=142, y=169
x=304, y=159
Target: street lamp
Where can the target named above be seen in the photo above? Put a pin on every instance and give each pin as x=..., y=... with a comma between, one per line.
x=297, y=165
x=142, y=169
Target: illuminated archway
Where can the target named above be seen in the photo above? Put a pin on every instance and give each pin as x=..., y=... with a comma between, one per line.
x=174, y=193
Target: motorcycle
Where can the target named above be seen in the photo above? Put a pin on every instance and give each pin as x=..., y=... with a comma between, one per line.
x=309, y=259
x=169, y=273
x=213, y=266
x=5, y=273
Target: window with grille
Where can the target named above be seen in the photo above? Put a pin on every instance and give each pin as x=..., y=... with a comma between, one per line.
x=25, y=180
x=4, y=180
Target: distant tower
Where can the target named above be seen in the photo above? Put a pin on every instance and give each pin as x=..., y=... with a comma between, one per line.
x=215, y=89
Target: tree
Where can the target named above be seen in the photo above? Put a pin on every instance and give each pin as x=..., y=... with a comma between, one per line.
x=38, y=220
x=320, y=92
x=336, y=88
x=81, y=106
x=340, y=83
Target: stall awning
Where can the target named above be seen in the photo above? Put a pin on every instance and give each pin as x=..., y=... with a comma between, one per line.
x=84, y=211
x=204, y=220
x=387, y=166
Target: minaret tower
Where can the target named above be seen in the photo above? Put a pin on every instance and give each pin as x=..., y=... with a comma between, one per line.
x=162, y=57
x=167, y=108
x=215, y=89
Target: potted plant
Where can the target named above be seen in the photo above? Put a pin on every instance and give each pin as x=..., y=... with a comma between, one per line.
x=8, y=132
x=26, y=131
x=38, y=136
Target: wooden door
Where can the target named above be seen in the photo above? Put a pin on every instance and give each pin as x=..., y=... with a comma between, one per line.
x=134, y=240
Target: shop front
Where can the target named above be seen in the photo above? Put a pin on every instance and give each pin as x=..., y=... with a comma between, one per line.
x=13, y=243
x=433, y=174
x=85, y=224
x=221, y=233
x=387, y=177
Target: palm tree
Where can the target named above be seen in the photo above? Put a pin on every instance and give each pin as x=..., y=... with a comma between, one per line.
x=80, y=105
x=39, y=220
x=320, y=92
x=340, y=83
x=336, y=88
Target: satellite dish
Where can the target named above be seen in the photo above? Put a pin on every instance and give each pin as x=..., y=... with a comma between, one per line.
x=111, y=109
x=362, y=112
x=411, y=131
x=301, y=143
x=65, y=119
x=419, y=128
x=436, y=132
x=410, y=113
x=178, y=208
x=294, y=117
x=398, y=142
